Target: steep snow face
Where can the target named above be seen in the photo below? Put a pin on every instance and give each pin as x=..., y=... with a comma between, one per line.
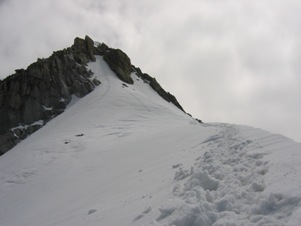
x=124, y=156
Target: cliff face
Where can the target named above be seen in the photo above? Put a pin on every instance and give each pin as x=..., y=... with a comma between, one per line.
x=43, y=91
x=29, y=98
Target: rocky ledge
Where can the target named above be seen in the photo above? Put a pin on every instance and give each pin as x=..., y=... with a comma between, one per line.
x=31, y=97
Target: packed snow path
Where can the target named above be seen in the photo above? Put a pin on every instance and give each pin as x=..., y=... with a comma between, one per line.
x=226, y=185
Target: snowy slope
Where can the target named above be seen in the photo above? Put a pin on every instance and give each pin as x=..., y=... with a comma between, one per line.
x=124, y=156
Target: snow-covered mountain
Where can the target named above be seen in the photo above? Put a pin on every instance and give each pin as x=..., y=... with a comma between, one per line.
x=123, y=155
x=33, y=96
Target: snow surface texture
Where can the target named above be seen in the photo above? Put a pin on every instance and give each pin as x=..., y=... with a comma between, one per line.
x=124, y=156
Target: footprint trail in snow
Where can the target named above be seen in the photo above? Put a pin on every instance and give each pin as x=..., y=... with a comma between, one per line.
x=225, y=187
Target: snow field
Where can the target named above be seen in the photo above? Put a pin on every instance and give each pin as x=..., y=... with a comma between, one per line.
x=124, y=156
x=231, y=183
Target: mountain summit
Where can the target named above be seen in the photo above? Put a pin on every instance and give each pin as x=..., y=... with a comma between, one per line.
x=29, y=98
x=123, y=152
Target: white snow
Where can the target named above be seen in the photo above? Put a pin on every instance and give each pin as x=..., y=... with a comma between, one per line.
x=124, y=156
x=37, y=123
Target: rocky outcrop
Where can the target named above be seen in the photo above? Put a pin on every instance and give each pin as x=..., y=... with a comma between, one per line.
x=157, y=87
x=43, y=90
x=31, y=97
x=84, y=50
x=119, y=63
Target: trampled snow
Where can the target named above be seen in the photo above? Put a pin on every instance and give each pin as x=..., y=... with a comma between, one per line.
x=124, y=156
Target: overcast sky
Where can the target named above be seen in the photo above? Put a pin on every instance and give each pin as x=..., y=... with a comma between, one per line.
x=235, y=61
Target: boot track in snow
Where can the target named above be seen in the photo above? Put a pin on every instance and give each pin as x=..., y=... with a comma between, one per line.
x=225, y=187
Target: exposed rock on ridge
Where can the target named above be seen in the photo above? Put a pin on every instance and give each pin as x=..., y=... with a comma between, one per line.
x=120, y=63
x=156, y=86
x=29, y=98
x=43, y=90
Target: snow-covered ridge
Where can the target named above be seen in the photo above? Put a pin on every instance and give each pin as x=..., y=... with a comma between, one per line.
x=124, y=156
x=47, y=87
x=241, y=178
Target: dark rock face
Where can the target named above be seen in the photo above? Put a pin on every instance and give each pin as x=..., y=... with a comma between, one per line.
x=119, y=63
x=7, y=141
x=84, y=50
x=43, y=90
